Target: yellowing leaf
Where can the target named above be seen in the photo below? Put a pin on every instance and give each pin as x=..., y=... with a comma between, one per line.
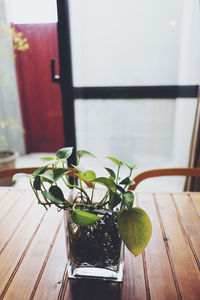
x=84, y=153
x=115, y=160
x=135, y=229
x=128, y=199
x=87, y=175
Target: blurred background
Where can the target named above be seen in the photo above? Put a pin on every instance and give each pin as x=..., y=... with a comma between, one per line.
x=111, y=44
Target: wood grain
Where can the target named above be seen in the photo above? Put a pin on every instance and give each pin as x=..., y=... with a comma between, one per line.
x=33, y=258
x=189, y=218
x=133, y=286
x=8, y=202
x=51, y=280
x=32, y=263
x=186, y=269
x=196, y=201
x=3, y=191
x=17, y=247
x=157, y=260
x=12, y=220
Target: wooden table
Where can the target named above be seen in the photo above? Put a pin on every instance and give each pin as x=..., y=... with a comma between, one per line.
x=33, y=256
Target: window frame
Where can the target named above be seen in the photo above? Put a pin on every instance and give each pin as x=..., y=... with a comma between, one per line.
x=70, y=93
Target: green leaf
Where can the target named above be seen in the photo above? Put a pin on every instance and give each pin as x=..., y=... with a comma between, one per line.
x=115, y=160
x=55, y=195
x=84, y=218
x=19, y=175
x=130, y=166
x=114, y=199
x=51, y=197
x=64, y=153
x=57, y=192
x=108, y=182
x=111, y=172
x=37, y=183
x=40, y=170
x=59, y=173
x=49, y=158
x=48, y=175
x=84, y=153
x=128, y=199
x=88, y=175
x=119, y=188
x=135, y=229
x=127, y=181
x=55, y=163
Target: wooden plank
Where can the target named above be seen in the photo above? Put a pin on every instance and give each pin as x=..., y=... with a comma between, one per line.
x=185, y=267
x=15, y=250
x=33, y=261
x=157, y=261
x=189, y=218
x=12, y=219
x=3, y=191
x=32, y=264
x=8, y=201
x=196, y=201
x=50, y=283
x=133, y=286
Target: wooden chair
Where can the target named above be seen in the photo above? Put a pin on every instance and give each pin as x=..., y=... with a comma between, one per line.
x=8, y=173
x=194, y=172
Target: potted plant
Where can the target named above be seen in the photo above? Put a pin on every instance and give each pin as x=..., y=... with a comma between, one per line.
x=7, y=157
x=96, y=229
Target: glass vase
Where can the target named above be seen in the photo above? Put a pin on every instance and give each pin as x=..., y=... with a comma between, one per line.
x=95, y=251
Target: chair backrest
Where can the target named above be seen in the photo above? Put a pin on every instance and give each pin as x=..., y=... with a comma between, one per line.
x=194, y=172
x=8, y=173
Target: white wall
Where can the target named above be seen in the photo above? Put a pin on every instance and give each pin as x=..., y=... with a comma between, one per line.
x=9, y=98
x=31, y=11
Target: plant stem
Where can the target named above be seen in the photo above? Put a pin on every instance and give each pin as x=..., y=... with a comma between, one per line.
x=102, y=202
x=67, y=184
x=131, y=171
x=117, y=174
x=92, y=192
x=37, y=196
x=43, y=186
x=83, y=191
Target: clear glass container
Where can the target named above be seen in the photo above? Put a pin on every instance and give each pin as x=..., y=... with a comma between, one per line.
x=95, y=251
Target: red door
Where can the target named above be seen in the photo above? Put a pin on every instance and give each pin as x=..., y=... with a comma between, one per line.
x=40, y=98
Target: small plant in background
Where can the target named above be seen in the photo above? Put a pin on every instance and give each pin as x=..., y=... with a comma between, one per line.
x=133, y=223
x=19, y=42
